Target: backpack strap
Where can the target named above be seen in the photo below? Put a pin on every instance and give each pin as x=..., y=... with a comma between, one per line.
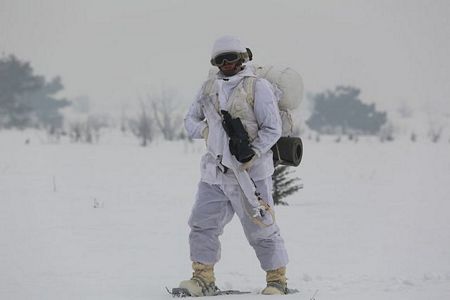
x=209, y=90
x=249, y=87
x=208, y=87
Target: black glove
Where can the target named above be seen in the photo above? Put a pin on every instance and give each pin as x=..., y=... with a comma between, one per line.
x=241, y=150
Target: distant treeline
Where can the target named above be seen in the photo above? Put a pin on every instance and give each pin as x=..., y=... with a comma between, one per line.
x=29, y=100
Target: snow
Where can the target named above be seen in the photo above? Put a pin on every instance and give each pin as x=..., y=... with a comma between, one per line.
x=109, y=220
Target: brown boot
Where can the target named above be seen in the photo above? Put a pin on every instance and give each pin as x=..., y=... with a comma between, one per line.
x=276, y=282
x=202, y=282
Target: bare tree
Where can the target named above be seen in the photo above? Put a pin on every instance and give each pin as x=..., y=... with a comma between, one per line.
x=89, y=130
x=95, y=123
x=435, y=127
x=435, y=132
x=76, y=131
x=165, y=114
x=123, y=120
x=143, y=127
x=387, y=132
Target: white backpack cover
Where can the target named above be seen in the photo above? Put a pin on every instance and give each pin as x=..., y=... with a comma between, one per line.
x=287, y=80
x=288, y=88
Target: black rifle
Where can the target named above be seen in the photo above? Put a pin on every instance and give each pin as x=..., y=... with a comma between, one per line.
x=239, y=142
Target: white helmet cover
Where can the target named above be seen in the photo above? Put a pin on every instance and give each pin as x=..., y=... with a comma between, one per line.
x=226, y=44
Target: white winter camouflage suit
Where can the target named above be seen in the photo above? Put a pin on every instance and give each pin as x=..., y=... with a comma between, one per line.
x=219, y=196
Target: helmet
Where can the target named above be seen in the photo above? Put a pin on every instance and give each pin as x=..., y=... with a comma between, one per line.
x=227, y=44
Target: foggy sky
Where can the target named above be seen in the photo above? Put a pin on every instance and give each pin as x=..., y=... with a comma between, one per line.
x=116, y=51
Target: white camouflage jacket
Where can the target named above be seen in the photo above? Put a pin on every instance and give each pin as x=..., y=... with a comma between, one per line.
x=265, y=112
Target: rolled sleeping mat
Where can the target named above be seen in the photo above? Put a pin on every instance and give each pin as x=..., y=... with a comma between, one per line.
x=288, y=151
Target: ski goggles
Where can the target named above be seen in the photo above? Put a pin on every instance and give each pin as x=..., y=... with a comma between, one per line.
x=230, y=57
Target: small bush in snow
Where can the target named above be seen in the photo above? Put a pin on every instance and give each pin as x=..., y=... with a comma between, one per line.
x=283, y=185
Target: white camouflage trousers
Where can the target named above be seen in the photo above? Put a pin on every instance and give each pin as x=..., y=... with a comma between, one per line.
x=214, y=207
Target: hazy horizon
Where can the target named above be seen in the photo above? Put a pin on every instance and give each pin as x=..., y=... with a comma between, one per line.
x=394, y=51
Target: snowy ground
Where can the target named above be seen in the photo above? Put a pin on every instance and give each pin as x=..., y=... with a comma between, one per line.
x=372, y=222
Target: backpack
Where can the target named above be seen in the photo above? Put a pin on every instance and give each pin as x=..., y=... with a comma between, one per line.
x=287, y=86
